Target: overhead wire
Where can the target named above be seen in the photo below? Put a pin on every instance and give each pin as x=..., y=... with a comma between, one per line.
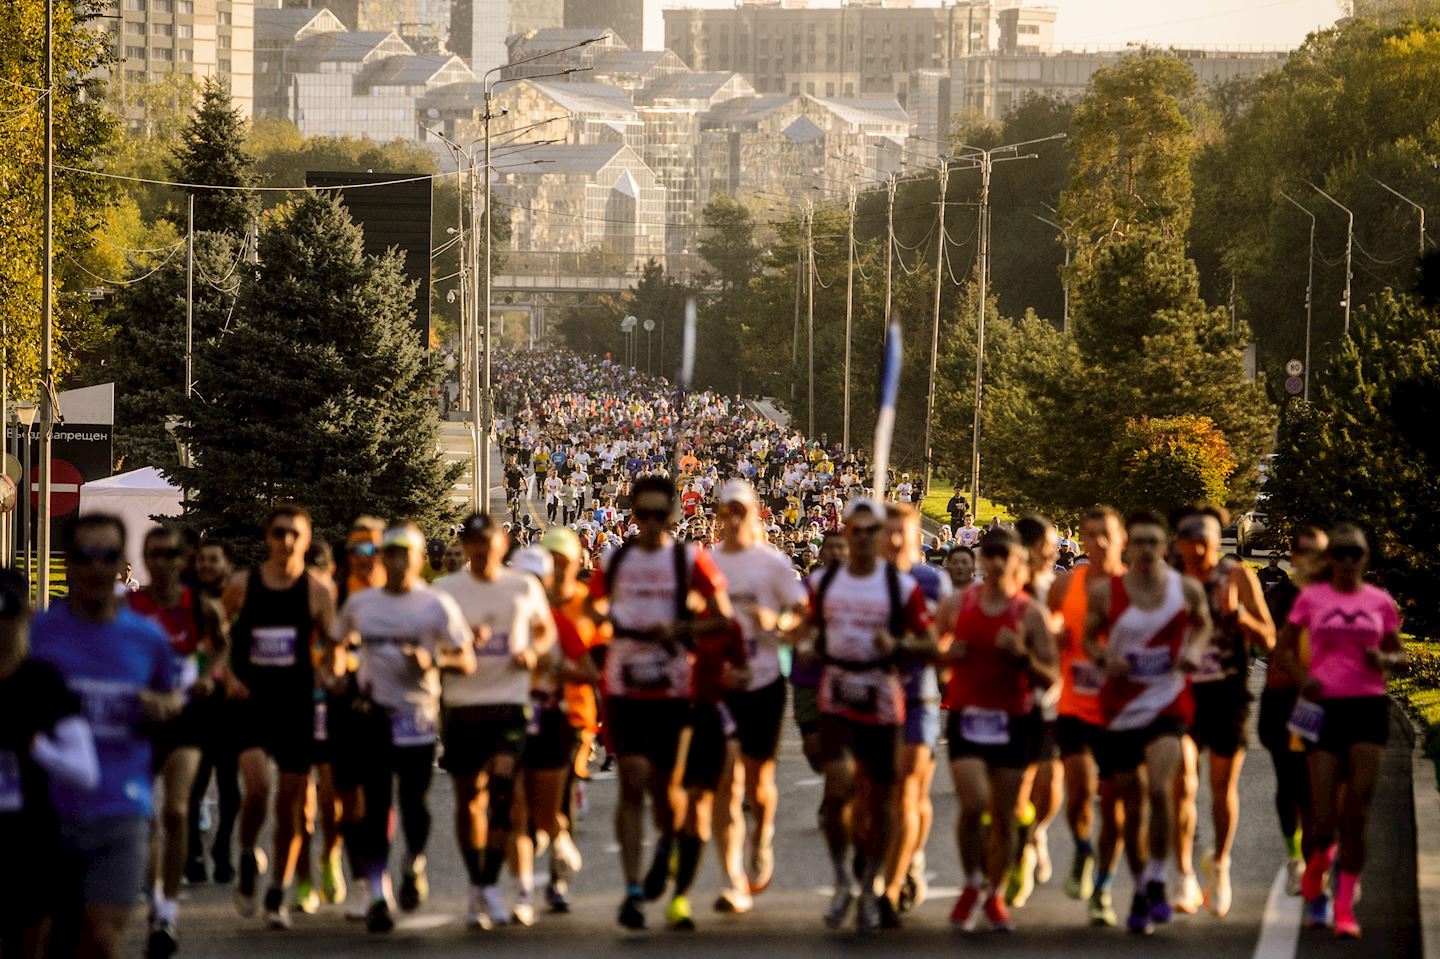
x=130, y=282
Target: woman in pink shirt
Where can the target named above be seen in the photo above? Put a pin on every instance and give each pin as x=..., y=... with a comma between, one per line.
x=1343, y=714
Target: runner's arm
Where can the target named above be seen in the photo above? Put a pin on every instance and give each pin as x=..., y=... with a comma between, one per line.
x=1287, y=655
x=948, y=647
x=1251, y=611
x=233, y=598
x=1040, y=653
x=1201, y=628
x=1097, y=602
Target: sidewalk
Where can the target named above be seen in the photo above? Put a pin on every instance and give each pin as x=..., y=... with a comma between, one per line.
x=1427, y=842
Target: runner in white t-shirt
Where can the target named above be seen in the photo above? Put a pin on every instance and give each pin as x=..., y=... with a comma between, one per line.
x=486, y=711
x=763, y=589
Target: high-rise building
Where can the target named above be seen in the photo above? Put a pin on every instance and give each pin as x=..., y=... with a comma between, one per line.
x=156, y=39
x=479, y=28
x=845, y=51
x=625, y=17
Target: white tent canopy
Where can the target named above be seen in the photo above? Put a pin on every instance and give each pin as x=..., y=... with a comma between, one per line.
x=135, y=497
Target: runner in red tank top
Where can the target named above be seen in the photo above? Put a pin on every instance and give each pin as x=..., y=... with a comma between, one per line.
x=999, y=646
x=1155, y=625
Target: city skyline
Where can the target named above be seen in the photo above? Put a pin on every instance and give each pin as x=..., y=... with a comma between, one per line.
x=1107, y=24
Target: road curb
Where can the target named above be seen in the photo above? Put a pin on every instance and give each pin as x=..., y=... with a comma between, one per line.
x=1427, y=843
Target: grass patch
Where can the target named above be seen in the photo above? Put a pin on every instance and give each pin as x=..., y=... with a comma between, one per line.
x=1417, y=686
x=939, y=495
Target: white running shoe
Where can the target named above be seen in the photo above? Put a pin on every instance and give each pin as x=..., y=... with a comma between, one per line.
x=564, y=847
x=495, y=905
x=1043, y=867
x=1191, y=897
x=1221, y=893
x=357, y=902
x=523, y=913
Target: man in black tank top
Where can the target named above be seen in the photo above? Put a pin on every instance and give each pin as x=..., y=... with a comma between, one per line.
x=278, y=608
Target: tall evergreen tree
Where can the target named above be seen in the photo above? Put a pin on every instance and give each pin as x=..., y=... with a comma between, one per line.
x=321, y=394
x=212, y=151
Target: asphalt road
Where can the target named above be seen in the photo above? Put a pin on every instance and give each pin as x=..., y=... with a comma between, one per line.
x=786, y=919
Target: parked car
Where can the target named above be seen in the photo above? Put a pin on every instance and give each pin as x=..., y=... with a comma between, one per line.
x=1250, y=532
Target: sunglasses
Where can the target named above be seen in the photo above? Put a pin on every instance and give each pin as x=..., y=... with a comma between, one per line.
x=105, y=555
x=363, y=549
x=1352, y=553
x=864, y=530
x=658, y=515
x=1146, y=541
x=172, y=552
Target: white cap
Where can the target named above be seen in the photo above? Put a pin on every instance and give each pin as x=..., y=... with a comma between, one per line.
x=738, y=491
x=864, y=505
x=534, y=560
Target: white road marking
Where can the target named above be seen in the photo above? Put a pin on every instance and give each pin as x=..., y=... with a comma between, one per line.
x=1280, y=928
x=812, y=781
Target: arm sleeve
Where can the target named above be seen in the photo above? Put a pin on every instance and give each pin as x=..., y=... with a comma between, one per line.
x=67, y=754
x=1390, y=618
x=457, y=632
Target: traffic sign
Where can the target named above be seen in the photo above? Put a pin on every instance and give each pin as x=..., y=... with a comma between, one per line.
x=7, y=495
x=65, y=483
x=1294, y=386
x=1294, y=368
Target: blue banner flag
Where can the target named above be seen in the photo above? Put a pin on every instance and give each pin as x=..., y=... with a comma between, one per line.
x=885, y=419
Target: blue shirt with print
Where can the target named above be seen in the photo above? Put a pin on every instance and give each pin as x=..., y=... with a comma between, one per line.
x=107, y=665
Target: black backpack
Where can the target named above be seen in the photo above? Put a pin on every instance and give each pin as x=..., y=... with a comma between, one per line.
x=897, y=618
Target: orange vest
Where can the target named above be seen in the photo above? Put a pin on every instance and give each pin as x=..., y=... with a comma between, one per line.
x=1079, y=677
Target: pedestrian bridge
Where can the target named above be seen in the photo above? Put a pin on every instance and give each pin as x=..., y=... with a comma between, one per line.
x=595, y=272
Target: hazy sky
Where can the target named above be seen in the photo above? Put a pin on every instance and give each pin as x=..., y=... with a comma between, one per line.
x=1113, y=23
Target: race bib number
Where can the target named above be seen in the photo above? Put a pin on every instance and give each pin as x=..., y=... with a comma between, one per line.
x=322, y=722
x=853, y=693
x=1306, y=720
x=497, y=645
x=1085, y=677
x=11, y=798
x=111, y=708
x=1149, y=663
x=648, y=674
x=985, y=727
x=411, y=727
x=273, y=646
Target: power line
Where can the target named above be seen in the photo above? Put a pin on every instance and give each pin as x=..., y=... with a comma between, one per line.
x=245, y=189
x=76, y=263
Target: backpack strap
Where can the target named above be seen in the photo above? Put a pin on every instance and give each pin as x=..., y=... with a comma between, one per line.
x=683, y=568
x=821, y=588
x=897, y=602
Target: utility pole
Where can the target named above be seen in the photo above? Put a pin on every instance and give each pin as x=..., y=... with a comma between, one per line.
x=1405, y=199
x=795, y=326
x=935, y=326
x=810, y=312
x=1309, y=290
x=47, y=318
x=849, y=316
x=889, y=243
x=1349, y=247
x=984, y=265
x=190, y=297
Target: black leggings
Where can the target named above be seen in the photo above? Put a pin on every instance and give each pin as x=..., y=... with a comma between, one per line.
x=224, y=762
x=413, y=767
x=1292, y=773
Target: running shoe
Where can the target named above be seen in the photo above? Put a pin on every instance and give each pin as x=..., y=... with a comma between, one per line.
x=1081, y=882
x=867, y=914
x=1191, y=897
x=1221, y=893
x=1345, y=925
x=523, y=912
x=1317, y=912
x=223, y=871
x=1160, y=909
x=659, y=875
x=678, y=915
x=916, y=878
x=414, y=887
x=1102, y=909
x=164, y=940
x=475, y=915
x=332, y=881
x=733, y=901
x=1139, y=921
x=195, y=872
x=1022, y=878
x=998, y=915
x=963, y=916
x=1294, y=876
x=557, y=897
x=565, y=852
x=1044, y=868
x=632, y=912
x=762, y=865
x=839, y=906
x=495, y=905
x=307, y=900
x=359, y=903
x=378, y=918
x=889, y=914
x=252, y=866
x=277, y=914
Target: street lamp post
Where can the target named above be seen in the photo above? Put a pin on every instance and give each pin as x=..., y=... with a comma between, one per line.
x=1065, y=283
x=1405, y=199
x=649, y=331
x=1309, y=290
x=25, y=414
x=935, y=325
x=47, y=317
x=1349, y=247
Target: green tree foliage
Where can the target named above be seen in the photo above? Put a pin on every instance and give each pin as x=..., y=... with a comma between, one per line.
x=1169, y=462
x=1354, y=104
x=1365, y=450
x=82, y=129
x=656, y=296
x=319, y=394
x=212, y=151
x=727, y=245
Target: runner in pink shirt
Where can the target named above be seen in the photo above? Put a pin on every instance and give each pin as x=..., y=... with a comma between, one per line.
x=1343, y=715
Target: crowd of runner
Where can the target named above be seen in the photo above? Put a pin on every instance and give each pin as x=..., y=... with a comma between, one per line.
x=677, y=573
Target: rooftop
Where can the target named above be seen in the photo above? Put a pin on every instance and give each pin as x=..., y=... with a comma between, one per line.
x=285, y=24
x=350, y=47
x=587, y=97
x=555, y=159
x=690, y=86
x=866, y=109
x=410, y=70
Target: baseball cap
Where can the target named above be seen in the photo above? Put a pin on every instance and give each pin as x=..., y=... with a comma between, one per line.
x=535, y=560
x=558, y=539
x=403, y=537
x=738, y=491
x=863, y=504
x=14, y=594
x=477, y=524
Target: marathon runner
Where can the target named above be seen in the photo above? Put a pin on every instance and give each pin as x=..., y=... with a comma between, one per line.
x=1080, y=728
x=764, y=590
x=276, y=610
x=658, y=596
x=960, y=567
x=44, y=738
x=200, y=640
x=121, y=668
x=863, y=617
x=1343, y=715
x=1240, y=621
x=1277, y=704
x=905, y=880
x=998, y=643
x=214, y=565
x=405, y=633
x=486, y=712
x=805, y=676
x=1146, y=629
